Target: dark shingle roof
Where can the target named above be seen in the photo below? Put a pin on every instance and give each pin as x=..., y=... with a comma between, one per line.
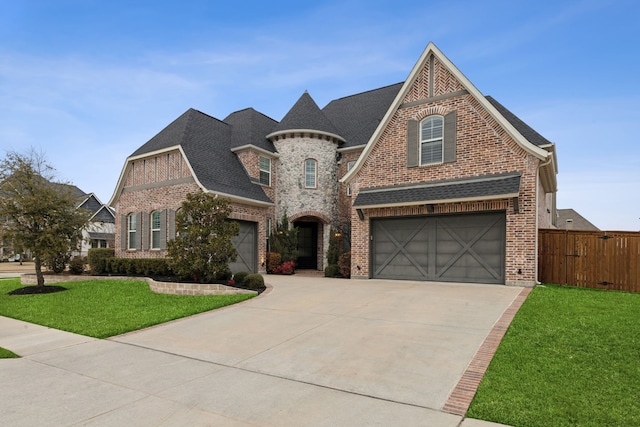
x=497, y=185
x=525, y=130
x=251, y=127
x=357, y=116
x=206, y=143
x=306, y=114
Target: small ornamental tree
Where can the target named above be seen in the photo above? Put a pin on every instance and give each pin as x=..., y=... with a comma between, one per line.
x=202, y=249
x=39, y=213
x=285, y=240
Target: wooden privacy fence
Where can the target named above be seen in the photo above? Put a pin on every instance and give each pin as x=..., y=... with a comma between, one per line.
x=590, y=259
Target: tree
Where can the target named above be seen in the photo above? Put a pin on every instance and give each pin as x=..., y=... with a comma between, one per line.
x=202, y=249
x=39, y=213
x=285, y=240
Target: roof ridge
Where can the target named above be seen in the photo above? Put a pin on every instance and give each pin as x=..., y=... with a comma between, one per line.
x=363, y=92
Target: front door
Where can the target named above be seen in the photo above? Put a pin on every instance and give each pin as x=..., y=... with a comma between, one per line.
x=307, y=245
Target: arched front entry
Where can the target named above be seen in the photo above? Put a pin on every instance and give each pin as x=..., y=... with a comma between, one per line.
x=311, y=240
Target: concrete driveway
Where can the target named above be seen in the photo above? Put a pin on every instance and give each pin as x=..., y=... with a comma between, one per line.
x=312, y=351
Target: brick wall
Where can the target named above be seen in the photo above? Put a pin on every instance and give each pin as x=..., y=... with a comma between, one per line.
x=166, y=187
x=483, y=148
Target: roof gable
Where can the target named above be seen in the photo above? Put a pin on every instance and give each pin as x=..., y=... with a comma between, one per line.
x=455, y=81
x=205, y=143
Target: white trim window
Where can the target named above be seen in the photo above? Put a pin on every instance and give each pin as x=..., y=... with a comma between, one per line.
x=131, y=231
x=310, y=173
x=155, y=230
x=265, y=170
x=431, y=137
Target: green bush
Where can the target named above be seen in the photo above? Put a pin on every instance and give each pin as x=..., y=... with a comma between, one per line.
x=254, y=281
x=240, y=277
x=332, y=270
x=97, y=259
x=138, y=266
x=76, y=265
x=223, y=275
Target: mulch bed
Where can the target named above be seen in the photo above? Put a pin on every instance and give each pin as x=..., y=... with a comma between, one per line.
x=36, y=290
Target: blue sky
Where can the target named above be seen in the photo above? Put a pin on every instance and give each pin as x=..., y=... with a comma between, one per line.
x=87, y=82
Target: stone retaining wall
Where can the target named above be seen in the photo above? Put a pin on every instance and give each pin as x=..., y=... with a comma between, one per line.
x=172, y=288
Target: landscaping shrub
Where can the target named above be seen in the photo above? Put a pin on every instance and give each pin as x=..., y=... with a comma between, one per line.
x=224, y=275
x=287, y=267
x=254, y=281
x=240, y=277
x=97, y=259
x=76, y=265
x=274, y=260
x=344, y=264
x=153, y=267
x=332, y=270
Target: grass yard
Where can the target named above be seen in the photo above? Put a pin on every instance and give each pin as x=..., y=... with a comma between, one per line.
x=104, y=308
x=7, y=354
x=571, y=357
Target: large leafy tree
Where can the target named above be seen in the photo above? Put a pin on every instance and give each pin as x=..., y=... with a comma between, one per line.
x=39, y=213
x=202, y=249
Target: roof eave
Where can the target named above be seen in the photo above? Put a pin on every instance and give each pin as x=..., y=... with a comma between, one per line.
x=256, y=148
x=284, y=132
x=438, y=201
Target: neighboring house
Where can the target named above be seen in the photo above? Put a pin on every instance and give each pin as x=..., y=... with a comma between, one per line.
x=568, y=219
x=100, y=233
x=432, y=180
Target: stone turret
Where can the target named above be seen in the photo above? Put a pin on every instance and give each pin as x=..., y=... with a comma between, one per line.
x=307, y=140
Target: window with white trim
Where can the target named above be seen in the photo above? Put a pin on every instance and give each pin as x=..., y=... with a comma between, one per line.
x=131, y=231
x=431, y=132
x=265, y=170
x=155, y=230
x=310, y=173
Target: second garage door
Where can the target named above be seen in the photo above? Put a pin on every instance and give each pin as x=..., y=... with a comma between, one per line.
x=246, y=245
x=447, y=248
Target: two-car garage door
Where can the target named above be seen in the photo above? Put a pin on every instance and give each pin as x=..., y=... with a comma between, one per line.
x=448, y=248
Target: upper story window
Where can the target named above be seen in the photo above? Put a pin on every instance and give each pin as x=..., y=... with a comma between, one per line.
x=310, y=173
x=265, y=170
x=131, y=231
x=431, y=135
x=155, y=230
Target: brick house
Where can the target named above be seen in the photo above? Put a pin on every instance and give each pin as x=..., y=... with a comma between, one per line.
x=433, y=181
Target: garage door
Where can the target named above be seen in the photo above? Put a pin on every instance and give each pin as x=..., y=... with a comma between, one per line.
x=452, y=248
x=246, y=244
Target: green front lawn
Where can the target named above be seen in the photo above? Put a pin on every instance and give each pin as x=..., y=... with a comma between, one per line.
x=571, y=357
x=104, y=308
x=7, y=354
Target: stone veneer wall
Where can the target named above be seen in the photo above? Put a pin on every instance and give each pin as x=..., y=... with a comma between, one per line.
x=292, y=194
